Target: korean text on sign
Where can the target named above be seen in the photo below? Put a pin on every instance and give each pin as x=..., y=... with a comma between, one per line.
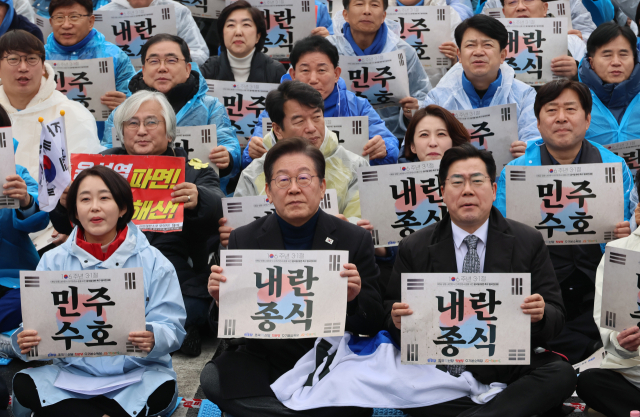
x=620, y=308
x=208, y=9
x=628, y=150
x=282, y=294
x=466, y=319
x=83, y=313
x=152, y=179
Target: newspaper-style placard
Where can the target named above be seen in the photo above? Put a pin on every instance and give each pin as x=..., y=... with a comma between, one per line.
x=132, y=28
x=207, y=9
x=492, y=128
x=569, y=204
x=282, y=294
x=620, y=308
x=44, y=25
x=152, y=179
x=244, y=103
x=466, y=319
x=630, y=151
x=352, y=131
x=85, y=81
x=287, y=21
x=382, y=79
x=83, y=313
x=399, y=199
x=425, y=28
x=533, y=43
x=559, y=8
x=7, y=166
x=240, y=211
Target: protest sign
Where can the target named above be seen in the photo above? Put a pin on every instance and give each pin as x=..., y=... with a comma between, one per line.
x=492, y=128
x=569, y=204
x=533, y=43
x=7, y=166
x=620, y=308
x=85, y=81
x=152, y=179
x=593, y=361
x=453, y=313
x=382, y=79
x=282, y=294
x=244, y=103
x=400, y=199
x=629, y=150
x=287, y=21
x=207, y=9
x=132, y=28
x=425, y=28
x=44, y=25
x=83, y=313
x=559, y=8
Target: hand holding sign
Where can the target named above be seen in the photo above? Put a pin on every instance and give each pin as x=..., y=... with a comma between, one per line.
x=256, y=148
x=15, y=187
x=28, y=339
x=629, y=339
x=354, y=283
x=375, y=148
x=518, y=148
x=113, y=99
x=144, y=340
x=622, y=230
x=186, y=193
x=397, y=311
x=534, y=306
x=215, y=279
x=220, y=156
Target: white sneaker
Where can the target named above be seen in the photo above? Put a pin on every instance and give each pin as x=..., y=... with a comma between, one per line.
x=6, y=350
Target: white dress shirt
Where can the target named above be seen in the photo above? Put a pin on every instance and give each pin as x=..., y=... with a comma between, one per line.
x=461, y=247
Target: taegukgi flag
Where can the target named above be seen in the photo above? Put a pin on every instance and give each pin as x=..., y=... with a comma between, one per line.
x=54, y=175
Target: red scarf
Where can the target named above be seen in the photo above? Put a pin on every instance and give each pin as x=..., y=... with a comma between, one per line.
x=95, y=249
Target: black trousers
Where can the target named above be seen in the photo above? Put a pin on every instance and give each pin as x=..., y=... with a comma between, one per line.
x=608, y=392
x=27, y=395
x=535, y=392
x=4, y=398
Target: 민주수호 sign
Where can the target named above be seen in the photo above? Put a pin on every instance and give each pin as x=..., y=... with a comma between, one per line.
x=152, y=179
x=466, y=319
x=282, y=294
x=85, y=81
x=629, y=150
x=425, y=28
x=620, y=289
x=400, y=199
x=533, y=43
x=492, y=128
x=568, y=204
x=559, y=8
x=83, y=313
x=287, y=21
x=7, y=166
x=382, y=79
x=240, y=211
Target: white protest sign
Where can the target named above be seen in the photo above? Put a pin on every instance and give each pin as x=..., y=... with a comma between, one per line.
x=466, y=319
x=207, y=9
x=287, y=21
x=620, y=289
x=83, y=313
x=85, y=81
x=382, y=79
x=592, y=362
x=44, y=25
x=244, y=103
x=560, y=8
x=7, y=166
x=282, y=294
x=399, y=199
x=492, y=128
x=240, y=211
x=533, y=43
x=129, y=29
x=569, y=204
x=628, y=150
x=425, y=28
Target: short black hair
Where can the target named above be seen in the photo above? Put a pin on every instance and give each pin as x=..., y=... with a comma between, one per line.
x=607, y=32
x=552, y=90
x=314, y=44
x=165, y=37
x=87, y=4
x=345, y=4
x=291, y=90
x=256, y=15
x=464, y=152
x=118, y=186
x=487, y=25
x=18, y=40
x=295, y=145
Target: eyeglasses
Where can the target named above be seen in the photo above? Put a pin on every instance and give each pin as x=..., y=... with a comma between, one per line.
x=514, y=3
x=284, y=181
x=15, y=59
x=150, y=123
x=168, y=62
x=476, y=180
x=73, y=18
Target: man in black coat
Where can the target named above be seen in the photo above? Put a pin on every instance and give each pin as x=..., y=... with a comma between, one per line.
x=475, y=237
x=239, y=381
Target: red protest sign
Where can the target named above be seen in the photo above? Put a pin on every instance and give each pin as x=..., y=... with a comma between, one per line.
x=151, y=178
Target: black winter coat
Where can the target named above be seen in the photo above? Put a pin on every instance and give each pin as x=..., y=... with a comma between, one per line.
x=263, y=69
x=21, y=22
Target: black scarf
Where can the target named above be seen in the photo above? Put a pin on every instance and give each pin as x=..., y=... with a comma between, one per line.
x=177, y=96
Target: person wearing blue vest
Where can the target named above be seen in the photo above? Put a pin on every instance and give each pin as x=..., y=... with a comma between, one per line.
x=314, y=61
x=10, y=19
x=75, y=38
x=563, y=111
x=612, y=73
x=42, y=6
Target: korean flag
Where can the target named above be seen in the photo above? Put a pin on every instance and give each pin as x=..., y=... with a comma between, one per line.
x=54, y=175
